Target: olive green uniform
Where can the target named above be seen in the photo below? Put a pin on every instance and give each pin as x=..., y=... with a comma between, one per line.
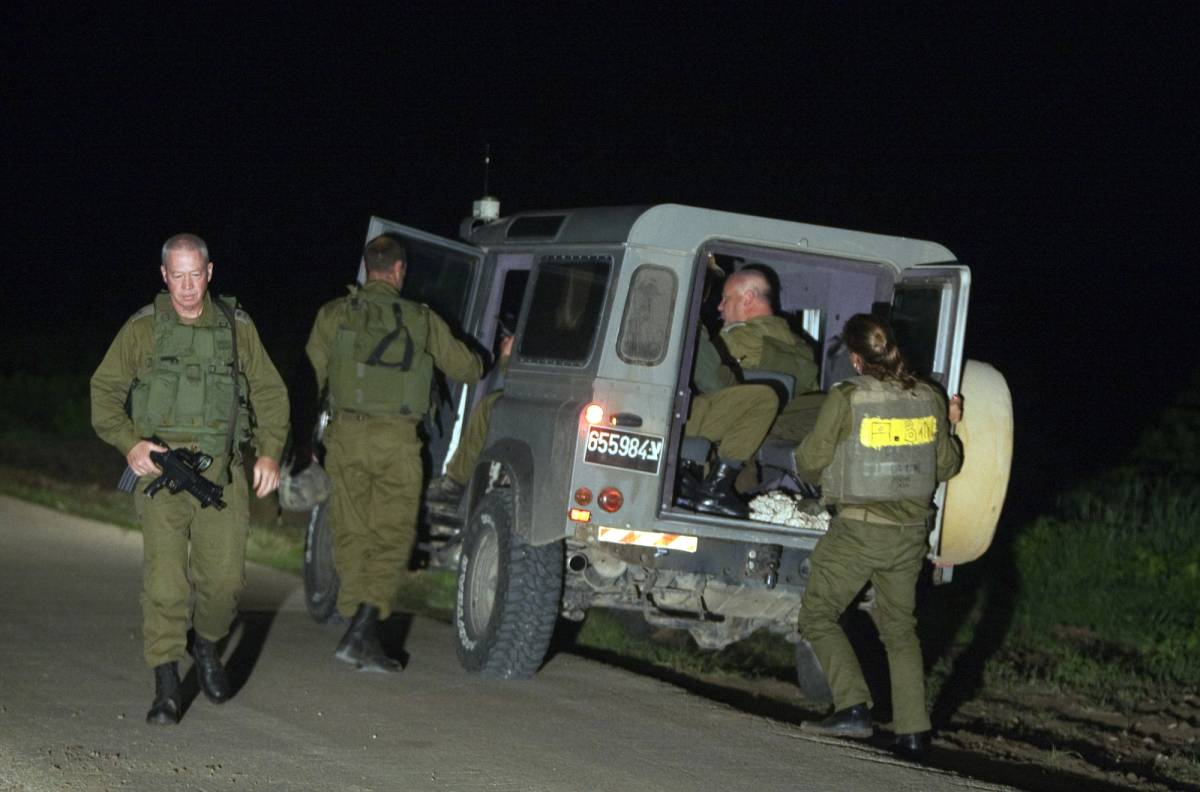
x=881, y=542
x=736, y=418
x=767, y=343
x=472, y=439
x=181, y=541
x=373, y=451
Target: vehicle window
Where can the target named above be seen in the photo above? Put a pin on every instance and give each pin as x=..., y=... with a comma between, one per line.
x=438, y=277
x=564, y=312
x=646, y=322
x=916, y=313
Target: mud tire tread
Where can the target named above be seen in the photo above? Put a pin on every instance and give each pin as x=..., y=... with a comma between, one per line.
x=529, y=593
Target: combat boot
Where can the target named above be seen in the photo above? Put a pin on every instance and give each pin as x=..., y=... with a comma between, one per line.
x=717, y=494
x=443, y=494
x=849, y=722
x=444, y=489
x=690, y=475
x=913, y=747
x=360, y=645
x=168, y=703
x=210, y=672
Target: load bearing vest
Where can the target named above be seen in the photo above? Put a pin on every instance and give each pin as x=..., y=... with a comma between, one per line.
x=891, y=451
x=379, y=364
x=184, y=392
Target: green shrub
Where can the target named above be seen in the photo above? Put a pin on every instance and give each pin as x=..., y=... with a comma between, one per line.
x=57, y=404
x=1116, y=576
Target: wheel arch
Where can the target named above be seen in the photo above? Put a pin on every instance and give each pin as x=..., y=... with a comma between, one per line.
x=517, y=459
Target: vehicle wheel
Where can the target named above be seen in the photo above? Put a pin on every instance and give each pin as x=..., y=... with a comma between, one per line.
x=810, y=676
x=320, y=577
x=508, y=594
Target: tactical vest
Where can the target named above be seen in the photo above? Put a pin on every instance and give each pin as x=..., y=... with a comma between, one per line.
x=379, y=364
x=184, y=390
x=891, y=452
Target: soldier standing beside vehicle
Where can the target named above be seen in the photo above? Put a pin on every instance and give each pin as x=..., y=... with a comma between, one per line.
x=881, y=444
x=192, y=368
x=376, y=352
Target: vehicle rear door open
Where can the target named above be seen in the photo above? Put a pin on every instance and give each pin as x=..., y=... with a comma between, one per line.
x=929, y=317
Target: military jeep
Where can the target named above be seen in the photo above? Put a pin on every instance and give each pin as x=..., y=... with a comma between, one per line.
x=572, y=503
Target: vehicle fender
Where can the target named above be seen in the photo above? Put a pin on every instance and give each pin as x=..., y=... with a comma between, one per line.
x=975, y=496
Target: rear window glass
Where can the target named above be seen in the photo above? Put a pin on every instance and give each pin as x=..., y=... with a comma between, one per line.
x=646, y=323
x=564, y=312
x=439, y=277
x=535, y=227
x=916, y=312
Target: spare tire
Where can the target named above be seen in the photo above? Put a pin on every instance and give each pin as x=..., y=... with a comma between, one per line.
x=975, y=496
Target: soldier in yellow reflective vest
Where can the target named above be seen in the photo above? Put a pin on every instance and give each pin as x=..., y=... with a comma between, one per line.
x=194, y=372
x=376, y=352
x=881, y=444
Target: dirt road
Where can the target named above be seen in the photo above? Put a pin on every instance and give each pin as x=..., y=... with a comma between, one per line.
x=73, y=693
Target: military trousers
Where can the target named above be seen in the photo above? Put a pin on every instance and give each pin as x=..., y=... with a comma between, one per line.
x=849, y=556
x=735, y=419
x=472, y=439
x=186, y=550
x=375, y=467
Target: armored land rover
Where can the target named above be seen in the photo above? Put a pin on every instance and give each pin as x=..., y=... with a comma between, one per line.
x=572, y=503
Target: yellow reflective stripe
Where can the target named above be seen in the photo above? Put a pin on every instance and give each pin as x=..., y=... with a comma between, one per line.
x=879, y=433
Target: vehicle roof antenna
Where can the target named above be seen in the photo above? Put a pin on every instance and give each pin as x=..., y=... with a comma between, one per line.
x=487, y=208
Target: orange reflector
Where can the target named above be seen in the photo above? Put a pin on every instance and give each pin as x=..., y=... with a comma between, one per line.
x=580, y=515
x=583, y=496
x=593, y=414
x=610, y=499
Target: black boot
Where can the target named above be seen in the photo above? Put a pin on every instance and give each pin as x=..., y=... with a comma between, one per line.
x=210, y=672
x=168, y=703
x=849, y=722
x=360, y=645
x=689, y=478
x=717, y=495
x=913, y=747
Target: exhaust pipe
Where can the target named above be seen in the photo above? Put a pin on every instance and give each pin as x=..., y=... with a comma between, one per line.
x=577, y=562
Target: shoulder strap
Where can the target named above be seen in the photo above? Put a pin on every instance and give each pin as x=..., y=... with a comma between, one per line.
x=375, y=358
x=233, y=408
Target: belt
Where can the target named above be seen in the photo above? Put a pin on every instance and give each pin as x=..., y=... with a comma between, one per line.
x=351, y=415
x=862, y=515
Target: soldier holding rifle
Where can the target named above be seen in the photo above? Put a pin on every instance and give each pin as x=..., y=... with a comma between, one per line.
x=190, y=371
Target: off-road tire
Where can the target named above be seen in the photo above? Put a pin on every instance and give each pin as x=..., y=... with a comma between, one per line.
x=809, y=675
x=320, y=578
x=509, y=593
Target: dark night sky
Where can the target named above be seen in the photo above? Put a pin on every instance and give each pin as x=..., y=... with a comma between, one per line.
x=1053, y=154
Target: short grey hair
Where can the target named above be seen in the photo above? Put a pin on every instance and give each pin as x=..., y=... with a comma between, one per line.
x=189, y=242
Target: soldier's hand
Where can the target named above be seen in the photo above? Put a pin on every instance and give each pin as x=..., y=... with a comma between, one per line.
x=506, y=345
x=139, y=458
x=956, y=408
x=266, y=476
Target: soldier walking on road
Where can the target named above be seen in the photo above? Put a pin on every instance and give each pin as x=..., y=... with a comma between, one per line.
x=195, y=375
x=881, y=445
x=376, y=352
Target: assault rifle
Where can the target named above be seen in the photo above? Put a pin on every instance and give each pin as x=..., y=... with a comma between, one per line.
x=181, y=469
